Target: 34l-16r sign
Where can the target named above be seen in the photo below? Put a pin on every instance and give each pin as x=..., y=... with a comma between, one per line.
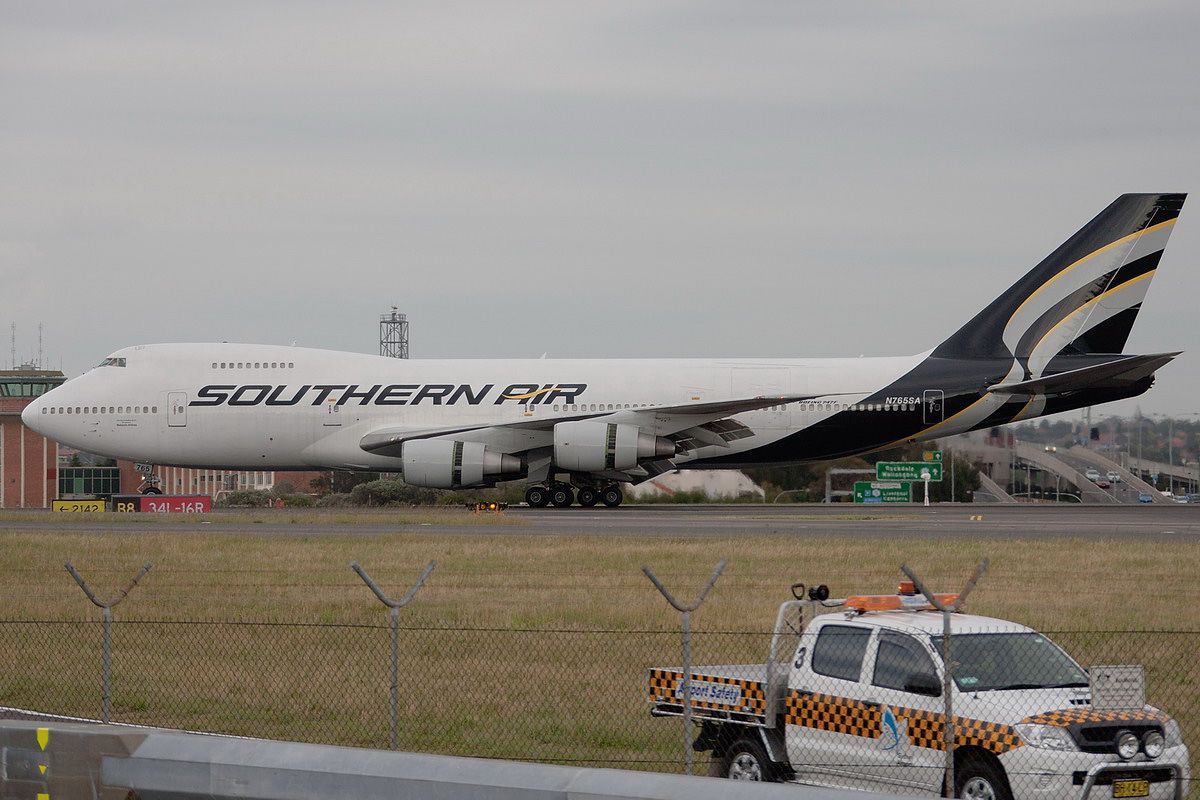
x=908, y=471
x=162, y=503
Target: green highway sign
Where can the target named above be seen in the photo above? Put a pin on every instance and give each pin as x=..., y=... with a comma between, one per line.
x=932, y=455
x=882, y=492
x=908, y=471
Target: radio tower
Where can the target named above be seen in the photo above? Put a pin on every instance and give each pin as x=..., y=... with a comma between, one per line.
x=393, y=334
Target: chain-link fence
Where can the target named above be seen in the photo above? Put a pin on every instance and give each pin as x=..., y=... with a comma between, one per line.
x=860, y=711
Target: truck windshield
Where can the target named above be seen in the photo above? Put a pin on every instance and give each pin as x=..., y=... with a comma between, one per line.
x=998, y=661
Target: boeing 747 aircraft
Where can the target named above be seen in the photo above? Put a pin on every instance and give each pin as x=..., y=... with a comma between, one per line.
x=580, y=429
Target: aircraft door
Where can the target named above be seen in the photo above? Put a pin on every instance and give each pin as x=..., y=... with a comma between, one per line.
x=177, y=409
x=934, y=406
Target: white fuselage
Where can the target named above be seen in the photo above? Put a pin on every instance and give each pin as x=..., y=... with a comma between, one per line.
x=159, y=405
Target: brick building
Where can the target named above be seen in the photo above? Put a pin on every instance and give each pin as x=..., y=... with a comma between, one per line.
x=28, y=460
x=187, y=480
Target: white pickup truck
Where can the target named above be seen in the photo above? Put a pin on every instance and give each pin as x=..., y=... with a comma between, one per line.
x=859, y=704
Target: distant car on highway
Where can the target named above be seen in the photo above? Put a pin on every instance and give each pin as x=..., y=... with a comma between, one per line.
x=1113, y=476
x=1144, y=497
x=1092, y=474
x=1103, y=484
x=1180, y=498
x=1193, y=498
x=1051, y=448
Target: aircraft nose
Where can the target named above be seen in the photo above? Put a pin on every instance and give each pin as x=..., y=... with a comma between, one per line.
x=30, y=414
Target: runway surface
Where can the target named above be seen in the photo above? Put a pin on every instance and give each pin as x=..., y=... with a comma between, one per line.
x=1146, y=522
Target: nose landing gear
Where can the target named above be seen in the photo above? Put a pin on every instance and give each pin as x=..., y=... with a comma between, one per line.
x=152, y=484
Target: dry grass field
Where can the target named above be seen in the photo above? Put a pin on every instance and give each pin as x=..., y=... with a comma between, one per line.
x=519, y=646
x=582, y=581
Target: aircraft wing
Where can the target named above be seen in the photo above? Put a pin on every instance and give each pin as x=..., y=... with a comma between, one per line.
x=691, y=424
x=1111, y=374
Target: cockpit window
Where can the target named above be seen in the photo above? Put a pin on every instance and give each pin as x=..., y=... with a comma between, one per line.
x=112, y=362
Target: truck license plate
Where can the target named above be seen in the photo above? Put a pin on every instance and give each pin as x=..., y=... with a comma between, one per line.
x=1131, y=789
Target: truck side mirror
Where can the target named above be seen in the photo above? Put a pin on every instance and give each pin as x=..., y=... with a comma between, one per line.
x=923, y=683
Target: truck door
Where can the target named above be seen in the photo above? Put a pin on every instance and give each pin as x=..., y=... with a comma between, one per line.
x=829, y=726
x=905, y=686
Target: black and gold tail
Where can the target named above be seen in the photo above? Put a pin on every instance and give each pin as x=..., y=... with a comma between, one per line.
x=1083, y=298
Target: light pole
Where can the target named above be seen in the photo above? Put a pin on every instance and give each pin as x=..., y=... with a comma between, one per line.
x=1171, y=446
x=1171, y=455
x=1139, y=442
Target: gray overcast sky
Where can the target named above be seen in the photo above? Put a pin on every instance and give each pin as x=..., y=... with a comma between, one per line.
x=587, y=179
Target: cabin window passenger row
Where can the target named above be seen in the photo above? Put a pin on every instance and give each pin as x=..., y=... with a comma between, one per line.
x=101, y=410
x=254, y=365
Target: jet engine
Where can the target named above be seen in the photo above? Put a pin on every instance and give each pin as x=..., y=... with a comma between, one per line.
x=589, y=446
x=444, y=464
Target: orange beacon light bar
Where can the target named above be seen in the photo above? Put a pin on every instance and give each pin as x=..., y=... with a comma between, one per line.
x=892, y=602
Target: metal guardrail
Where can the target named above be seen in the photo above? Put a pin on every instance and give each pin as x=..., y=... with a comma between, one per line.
x=65, y=759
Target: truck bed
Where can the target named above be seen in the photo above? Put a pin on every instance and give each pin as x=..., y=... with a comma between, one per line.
x=726, y=692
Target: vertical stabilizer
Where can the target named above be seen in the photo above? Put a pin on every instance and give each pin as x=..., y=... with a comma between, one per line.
x=1081, y=299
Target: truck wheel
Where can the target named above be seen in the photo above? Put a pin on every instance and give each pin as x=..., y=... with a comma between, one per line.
x=744, y=760
x=979, y=778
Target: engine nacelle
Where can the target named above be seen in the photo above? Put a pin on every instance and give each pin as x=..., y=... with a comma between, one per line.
x=589, y=446
x=443, y=464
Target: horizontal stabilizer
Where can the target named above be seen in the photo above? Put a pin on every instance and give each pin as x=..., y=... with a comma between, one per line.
x=1113, y=374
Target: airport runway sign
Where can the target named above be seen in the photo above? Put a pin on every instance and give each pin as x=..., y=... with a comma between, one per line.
x=882, y=492
x=908, y=471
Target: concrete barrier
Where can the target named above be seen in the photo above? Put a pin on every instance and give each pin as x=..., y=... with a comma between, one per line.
x=56, y=760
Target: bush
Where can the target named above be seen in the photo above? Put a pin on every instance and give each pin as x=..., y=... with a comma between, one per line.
x=283, y=489
x=335, y=500
x=696, y=496
x=298, y=501
x=247, y=498
x=392, y=492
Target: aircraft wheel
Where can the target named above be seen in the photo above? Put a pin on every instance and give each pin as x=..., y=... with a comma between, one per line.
x=561, y=496
x=152, y=490
x=588, y=497
x=537, y=496
x=612, y=496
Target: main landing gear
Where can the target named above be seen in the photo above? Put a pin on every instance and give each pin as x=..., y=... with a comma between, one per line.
x=561, y=495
